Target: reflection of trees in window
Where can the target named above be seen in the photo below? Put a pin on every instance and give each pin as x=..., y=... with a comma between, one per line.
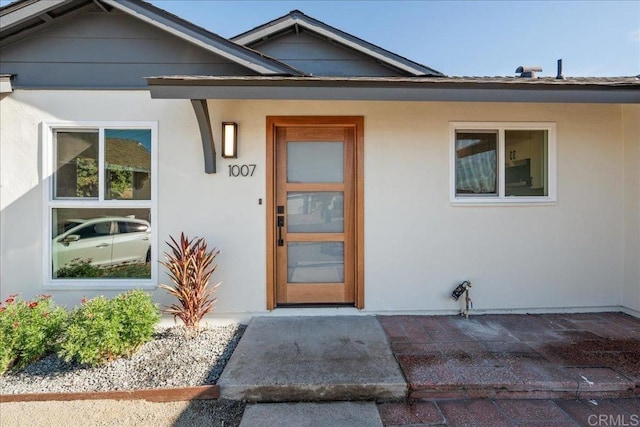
x=128, y=166
x=87, y=177
x=76, y=172
x=120, y=183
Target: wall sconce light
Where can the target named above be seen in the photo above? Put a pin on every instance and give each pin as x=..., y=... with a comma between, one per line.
x=230, y=140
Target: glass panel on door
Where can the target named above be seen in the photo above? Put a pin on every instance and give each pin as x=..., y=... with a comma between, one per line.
x=315, y=162
x=315, y=212
x=317, y=262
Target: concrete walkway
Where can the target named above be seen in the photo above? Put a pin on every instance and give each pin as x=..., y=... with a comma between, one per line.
x=351, y=414
x=290, y=359
x=492, y=370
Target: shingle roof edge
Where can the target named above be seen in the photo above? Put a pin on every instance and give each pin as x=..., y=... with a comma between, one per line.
x=631, y=81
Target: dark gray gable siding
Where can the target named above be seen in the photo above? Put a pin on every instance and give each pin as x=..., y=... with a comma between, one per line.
x=321, y=57
x=106, y=50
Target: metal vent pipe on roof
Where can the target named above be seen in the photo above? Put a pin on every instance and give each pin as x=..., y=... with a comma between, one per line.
x=528, y=71
x=560, y=76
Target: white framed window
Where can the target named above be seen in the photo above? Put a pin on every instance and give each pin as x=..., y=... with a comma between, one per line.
x=497, y=163
x=100, y=204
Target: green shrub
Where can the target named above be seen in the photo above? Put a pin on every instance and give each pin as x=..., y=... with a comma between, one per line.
x=101, y=330
x=29, y=330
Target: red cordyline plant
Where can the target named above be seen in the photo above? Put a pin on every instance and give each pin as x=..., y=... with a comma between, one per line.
x=190, y=266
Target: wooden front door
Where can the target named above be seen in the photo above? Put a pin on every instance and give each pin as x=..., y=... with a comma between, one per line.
x=314, y=203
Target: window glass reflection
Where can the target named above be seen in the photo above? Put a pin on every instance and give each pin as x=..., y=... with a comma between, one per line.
x=76, y=171
x=526, y=166
x=476, y=163
x=101, y=243
x=128, y=164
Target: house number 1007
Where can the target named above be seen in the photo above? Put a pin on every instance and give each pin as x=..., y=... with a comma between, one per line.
x=241, y=170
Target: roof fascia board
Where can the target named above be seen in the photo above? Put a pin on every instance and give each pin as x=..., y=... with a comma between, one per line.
x=339, y=36
x=222, y=47
x=448, y=94
x=29, y=11
x=261, y=33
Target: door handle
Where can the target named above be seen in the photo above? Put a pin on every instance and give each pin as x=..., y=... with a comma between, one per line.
x=280, y=224
x=102, y=245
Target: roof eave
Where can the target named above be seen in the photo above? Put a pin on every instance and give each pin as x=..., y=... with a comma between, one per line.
x=385, y=90
x=16, y=13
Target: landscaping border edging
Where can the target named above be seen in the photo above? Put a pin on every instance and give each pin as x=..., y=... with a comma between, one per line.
x=205, y=392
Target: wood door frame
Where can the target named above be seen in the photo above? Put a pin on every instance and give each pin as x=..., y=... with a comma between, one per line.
x=356, y=122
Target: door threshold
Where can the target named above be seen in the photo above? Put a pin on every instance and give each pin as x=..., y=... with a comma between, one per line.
x=316, y=305
x=322, y=310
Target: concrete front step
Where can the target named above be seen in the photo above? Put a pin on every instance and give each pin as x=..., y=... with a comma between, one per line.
x=310, y=358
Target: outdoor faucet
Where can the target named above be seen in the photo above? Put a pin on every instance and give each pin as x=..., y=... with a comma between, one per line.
x=463, y=288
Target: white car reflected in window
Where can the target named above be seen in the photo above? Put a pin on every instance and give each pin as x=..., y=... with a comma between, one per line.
x=102, y=242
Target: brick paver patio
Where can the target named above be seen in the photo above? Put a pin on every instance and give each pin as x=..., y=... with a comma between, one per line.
x=516, y=370
x=517, y=356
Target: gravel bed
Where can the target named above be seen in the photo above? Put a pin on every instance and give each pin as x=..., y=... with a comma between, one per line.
x=175, y=358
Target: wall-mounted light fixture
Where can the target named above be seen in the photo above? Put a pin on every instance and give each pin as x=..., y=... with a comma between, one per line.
x=230, y=140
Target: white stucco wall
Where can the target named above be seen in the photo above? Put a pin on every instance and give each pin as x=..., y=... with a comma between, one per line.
x=631, y=135
x=570, y=255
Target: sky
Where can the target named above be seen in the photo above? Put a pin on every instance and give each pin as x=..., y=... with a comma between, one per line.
x=460, y=38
